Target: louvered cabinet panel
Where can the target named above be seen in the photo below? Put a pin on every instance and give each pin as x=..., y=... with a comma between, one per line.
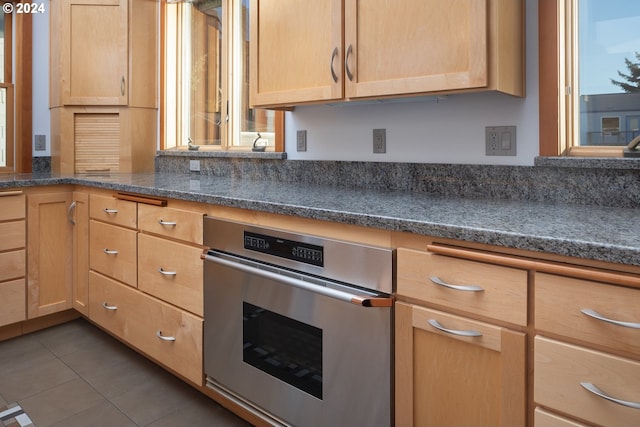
x=97, y=139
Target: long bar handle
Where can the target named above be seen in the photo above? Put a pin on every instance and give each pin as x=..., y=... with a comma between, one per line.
x=110, y=211
x=291, y=281
x=10, y=193
x=167, y=223
x=346, y=62
x=438, y=326
x=72, y=208
x=164, y=338
x=110, y=251
x=595, y=390
x=596, y=315
x=333, y=72
x=467, y=288
x=107, y=306
x=166, y=273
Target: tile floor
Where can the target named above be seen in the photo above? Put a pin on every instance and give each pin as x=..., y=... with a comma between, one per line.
x=76, y=375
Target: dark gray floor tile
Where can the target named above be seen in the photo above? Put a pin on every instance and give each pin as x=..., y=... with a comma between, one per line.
x=61, y=402
x=103, y=414
x=201, y=412
x=30, y=380
x=22, y=352
x=71, y=337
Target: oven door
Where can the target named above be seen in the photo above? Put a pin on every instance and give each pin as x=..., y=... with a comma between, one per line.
x=305, y=358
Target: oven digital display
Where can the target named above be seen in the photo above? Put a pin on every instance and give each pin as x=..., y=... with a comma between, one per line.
x=283, y=248
x=282, y=347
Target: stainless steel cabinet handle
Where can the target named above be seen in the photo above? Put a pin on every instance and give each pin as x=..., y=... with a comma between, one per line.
x=122, y=86
x=109, y=307
x=596, y=315
x=346, y=62
x=110, y=251
x=438, y=326
x=467, y=288
x=595, y=390
x=163, y=338
x=72, y=208
x=110, y=211
x=10, y=193
x=166, y=273
x=333, y=72
x=167, y=223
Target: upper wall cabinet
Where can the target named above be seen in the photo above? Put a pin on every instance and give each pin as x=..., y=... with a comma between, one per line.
x=306, y=52
x=104, y=53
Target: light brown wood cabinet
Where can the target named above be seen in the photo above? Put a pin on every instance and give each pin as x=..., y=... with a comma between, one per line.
x=588, y=332
x=12, y=256
x=79, y=217
x=103, y=90
x=387, y=49
x=145, y=281
x=455, y=370
x=50, y=248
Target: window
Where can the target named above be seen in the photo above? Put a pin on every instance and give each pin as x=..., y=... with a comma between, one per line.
x=205, y=99
x=6, y=95
x=589, y=70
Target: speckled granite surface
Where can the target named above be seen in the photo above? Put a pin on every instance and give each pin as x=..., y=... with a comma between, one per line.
x=586, y=231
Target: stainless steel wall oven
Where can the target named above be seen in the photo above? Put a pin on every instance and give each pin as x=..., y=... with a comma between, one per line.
x=298, y=328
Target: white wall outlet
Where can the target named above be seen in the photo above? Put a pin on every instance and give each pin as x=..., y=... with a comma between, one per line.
x=194, y=165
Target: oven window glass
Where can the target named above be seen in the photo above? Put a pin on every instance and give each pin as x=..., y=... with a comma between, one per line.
x=284, y=348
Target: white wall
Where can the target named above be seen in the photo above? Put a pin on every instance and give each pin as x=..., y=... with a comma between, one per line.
x=449, y=131
x=41, y=116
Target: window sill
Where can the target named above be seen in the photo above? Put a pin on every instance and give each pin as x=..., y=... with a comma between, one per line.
x=223, y=154
x=589, y=162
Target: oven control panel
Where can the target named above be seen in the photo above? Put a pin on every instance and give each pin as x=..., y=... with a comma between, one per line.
x=283, y=248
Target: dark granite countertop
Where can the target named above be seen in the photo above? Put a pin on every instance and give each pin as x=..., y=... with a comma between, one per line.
x=592, y=232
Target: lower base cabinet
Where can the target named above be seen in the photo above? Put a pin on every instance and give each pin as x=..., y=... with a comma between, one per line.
x=169, y=335
x=449, y=380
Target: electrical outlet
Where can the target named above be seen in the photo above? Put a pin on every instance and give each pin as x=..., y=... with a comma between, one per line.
x=379, y=141
x=500, y=140
x=194, y=165
x=301, y=140
x=40, y=142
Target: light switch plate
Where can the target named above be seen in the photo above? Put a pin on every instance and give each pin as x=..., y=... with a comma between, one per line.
x=301, y=141
x=194, y=165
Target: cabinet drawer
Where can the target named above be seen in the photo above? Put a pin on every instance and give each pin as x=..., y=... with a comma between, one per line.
x=12, y=205
x=542, y=418
x=175, y=223
x=171, y=336
x=13, y=296
x=113, y=251
x=13, y=235
x=501, y=294
x=171, y=271
x=12, y=265
x=559, y=370
x=559, y=301
x=113, y=211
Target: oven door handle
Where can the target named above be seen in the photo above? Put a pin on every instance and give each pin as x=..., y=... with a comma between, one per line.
x=301, y=284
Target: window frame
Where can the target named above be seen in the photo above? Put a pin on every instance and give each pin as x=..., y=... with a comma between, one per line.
x=558, y=124
x=224, y=147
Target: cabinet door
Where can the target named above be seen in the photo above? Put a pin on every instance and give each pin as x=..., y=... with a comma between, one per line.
x=443, y=379
x=94, y=51
x=414, y=46
x=80, y=222
x=296, y=51
x=50, y=249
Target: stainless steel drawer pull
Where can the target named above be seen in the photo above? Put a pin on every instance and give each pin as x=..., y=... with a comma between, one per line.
x=110, y=211
x=596, y=315
x=110, y=251
x=466, y=288
x=109, y=307
x=166, y=273
x=438, y=326
x=70, y=212
x=163, y=338
x=595, y=390
x=333, y=72
x=167, y=223
x=346, y=63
